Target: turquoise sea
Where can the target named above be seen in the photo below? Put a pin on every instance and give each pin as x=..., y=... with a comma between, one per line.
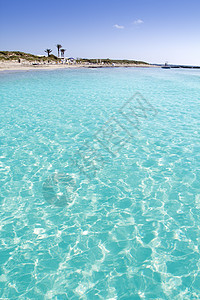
x=100, y=184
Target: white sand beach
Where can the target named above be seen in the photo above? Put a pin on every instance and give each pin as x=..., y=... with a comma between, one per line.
x=13, y=65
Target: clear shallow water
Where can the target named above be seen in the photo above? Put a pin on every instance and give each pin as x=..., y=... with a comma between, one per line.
x=79, y=225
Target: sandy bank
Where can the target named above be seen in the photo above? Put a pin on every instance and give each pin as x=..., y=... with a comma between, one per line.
x=12, y=66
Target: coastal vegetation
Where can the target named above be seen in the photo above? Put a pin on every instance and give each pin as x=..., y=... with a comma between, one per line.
x=48, y=51
x=16, y=55
x=22, y=56
x=111, y=61
x=58, y=48
x=62, y=51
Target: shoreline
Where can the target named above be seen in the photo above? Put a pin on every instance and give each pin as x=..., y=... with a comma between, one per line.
x=27, y=67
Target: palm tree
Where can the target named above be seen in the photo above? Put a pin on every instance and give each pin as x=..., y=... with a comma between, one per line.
x=59, y=47
x=48, y=51
x=62, y=52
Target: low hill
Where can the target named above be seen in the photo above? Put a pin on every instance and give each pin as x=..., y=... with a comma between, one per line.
x=113, y=61
x=16, y=55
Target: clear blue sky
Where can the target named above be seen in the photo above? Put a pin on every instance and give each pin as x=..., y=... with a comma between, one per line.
x=150, y=30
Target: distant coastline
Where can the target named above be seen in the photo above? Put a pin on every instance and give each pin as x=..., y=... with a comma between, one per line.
x=16, y=60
